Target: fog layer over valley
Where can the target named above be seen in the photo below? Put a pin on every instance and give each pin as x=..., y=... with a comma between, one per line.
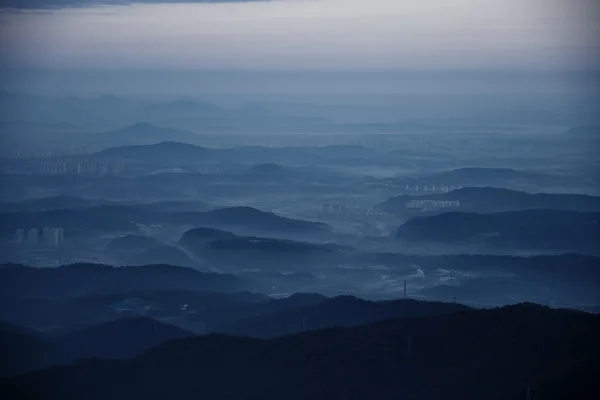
x=299, y=199
x=117, y=239
x=341, y=211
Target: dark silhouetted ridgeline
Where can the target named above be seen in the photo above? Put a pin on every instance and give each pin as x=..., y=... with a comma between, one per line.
x=120, y=338
x=18, y=281
x=492, y=354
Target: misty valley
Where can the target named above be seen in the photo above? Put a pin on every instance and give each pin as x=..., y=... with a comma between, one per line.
x=168, y=249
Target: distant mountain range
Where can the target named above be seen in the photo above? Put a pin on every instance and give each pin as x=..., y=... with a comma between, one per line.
x=335, y=312
x=142, y=133
x=132, y=243
x=562, y=280
x=18, y=281
x=123, y=218
x=584, y=132
x=489, y=199
x=488, y=177
x=198, y=310
x=478, y=176
x=121, y=338
x=549, y=230
x=251, y=219
x=48, y=203
x=179, y=152
x=140, y=250
x=500, y=353
x=110, y=112
x=201, y=236
x=268, y=169
x=162, y=152
x=125, y=337
x=74, y=202
x=227, y=249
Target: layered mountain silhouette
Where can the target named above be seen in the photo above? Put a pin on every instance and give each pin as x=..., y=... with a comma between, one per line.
x=489, y=199
x=253, y=219
x=227, y=249
x=551, y=230
x=173, y=151
x=123, y=218
x=491, y=177
x=115, y=339
x=18, y=281
x=48, y=203
x=339, y=311
x=496, y=354
x=201, y=236
x=268, y=169
x=132, y=243
x=182, y=108
x=139, y=250
x=143, y=133
x=165, y=152
x=188, y=308
x=478, y=176
x=584, y=132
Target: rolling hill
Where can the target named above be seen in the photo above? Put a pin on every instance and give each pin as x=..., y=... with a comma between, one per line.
x=489, y=199
x=143, y=133
x=18, y=281
x=468, y=355
x=164, y=152
x=121, y=338
x=123, y=218
x=335, y=312
x=549, y=230
x=584, y=132
x=255, y=220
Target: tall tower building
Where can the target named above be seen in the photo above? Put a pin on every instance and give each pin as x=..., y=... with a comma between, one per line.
x=53, y=237
x=60, y=236
x=20, y=236
x=33, y=237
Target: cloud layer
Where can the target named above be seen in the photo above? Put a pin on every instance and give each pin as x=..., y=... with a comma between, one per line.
x=306, y=35
x=41, y=4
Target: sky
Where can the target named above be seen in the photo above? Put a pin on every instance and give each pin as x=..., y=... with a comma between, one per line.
x=301, y=36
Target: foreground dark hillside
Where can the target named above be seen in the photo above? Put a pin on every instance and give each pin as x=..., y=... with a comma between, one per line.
x=122, y=334
x=338, y=311
x=491, y=354
x=25, y=352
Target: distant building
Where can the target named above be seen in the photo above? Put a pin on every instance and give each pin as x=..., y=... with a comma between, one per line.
x=53, y=237
x=20, y=236
x=33, y=237
x=60, y=232
x=432, y=205
x=374, y=211
x=79, y=167
x=338, y=209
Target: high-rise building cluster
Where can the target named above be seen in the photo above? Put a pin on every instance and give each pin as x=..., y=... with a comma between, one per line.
x=40, y=237
x=335, y=208
x=432, y=205
x=431, y=188
x=87, y=167
x=375, y=212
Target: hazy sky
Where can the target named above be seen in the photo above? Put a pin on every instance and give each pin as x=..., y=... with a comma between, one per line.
x=306, y=34
x=299, y=46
